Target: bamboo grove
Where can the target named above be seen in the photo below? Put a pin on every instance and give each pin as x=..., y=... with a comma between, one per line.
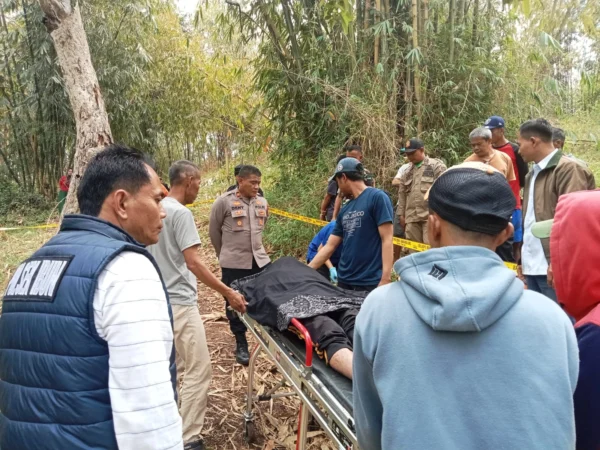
x=380, y=71
x=295, y=78
x=171, y=88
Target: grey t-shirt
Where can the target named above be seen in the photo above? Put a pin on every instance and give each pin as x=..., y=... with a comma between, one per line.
x=178, y=233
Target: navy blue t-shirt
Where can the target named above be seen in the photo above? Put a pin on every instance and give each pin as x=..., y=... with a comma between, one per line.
x=357, y=225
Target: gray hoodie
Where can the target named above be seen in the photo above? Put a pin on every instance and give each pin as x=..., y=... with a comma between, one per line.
x=457, y=355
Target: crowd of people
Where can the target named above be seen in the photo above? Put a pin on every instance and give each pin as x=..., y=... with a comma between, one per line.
x=102, y=344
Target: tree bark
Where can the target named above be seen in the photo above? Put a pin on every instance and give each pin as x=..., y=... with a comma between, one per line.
x=460, y=7
x=452, y=14
x=408, y=128
x=425, y=9
x=385, y=15
x=417, y=73
x=65, y=26
x=376, y=44
x=475, y=23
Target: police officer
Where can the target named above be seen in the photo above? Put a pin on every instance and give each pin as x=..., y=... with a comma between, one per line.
x=237, y=220
x=86, y=341
x=414, y=183
x=236, y=173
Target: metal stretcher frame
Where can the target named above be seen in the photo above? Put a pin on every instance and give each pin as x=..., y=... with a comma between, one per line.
x=316, y=399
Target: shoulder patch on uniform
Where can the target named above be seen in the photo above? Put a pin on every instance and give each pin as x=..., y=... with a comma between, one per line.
x=37, y=279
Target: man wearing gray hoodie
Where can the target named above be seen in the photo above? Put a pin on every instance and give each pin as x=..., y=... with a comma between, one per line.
x=458, y=355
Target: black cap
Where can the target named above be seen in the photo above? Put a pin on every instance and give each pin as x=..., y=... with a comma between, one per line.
x=473, y=199
x=412, y=145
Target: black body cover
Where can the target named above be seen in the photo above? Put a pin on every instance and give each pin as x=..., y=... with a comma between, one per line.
x=289, y=289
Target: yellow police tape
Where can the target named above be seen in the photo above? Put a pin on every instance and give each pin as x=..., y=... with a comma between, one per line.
x=417, y=246
x=32, y=227
x=201, y=202
x=54, y=225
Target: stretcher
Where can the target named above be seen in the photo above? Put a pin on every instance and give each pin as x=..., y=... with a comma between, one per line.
x=325, y=394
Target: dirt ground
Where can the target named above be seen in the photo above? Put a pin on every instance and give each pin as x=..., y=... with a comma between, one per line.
x=224, y=427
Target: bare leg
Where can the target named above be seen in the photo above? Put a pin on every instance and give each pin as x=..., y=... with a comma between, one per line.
x=342, y=362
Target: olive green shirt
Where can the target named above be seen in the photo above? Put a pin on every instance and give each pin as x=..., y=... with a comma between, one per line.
x=414, y=184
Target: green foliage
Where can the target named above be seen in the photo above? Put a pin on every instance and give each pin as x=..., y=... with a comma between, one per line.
x=296, y=189
x=18, y=207
x=328, y=79
x=170, y=89
x=36, y=124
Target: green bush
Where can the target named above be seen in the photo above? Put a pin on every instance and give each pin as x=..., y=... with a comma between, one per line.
x=299, y=189
x=18, y=207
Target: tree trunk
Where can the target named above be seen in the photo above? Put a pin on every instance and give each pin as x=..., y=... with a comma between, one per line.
x=93, y=129
x=452, y=13
x=475, y=23
x=460, y=7
x=385, y=15
x=376, y=44
x=425, y=9
x=417, y=73
x=408, y=128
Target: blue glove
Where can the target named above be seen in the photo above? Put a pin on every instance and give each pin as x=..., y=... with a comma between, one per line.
x=333, y=275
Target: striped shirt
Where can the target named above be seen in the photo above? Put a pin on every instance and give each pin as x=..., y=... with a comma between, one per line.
x=131, y=315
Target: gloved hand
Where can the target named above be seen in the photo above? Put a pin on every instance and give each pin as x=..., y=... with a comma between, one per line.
x=333, y=275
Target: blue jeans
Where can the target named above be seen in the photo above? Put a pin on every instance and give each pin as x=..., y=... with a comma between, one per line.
x=539, y=283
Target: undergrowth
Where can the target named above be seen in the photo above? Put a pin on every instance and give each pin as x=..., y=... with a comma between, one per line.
x=19, y=207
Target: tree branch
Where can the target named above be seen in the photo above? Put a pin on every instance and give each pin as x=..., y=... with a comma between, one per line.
x=55, y=11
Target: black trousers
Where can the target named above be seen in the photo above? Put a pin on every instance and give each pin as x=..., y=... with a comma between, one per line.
x=323, y=270
x=332, y=332
x=350, y=287
x=228, y=276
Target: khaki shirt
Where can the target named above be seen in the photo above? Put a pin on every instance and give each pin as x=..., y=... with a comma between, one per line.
x=235, y=228
x=414, y=184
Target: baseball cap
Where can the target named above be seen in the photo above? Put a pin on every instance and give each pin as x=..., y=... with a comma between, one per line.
x=473, y=198
x=542, y=229
x=494, y=122
x=348, y=165
x=412, y=145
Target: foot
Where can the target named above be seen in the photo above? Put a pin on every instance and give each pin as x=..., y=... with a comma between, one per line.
x=242, y=356
x=195, y=445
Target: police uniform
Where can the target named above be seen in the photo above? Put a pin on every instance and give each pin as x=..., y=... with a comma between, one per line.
x=235, y=228
x=414, y=184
